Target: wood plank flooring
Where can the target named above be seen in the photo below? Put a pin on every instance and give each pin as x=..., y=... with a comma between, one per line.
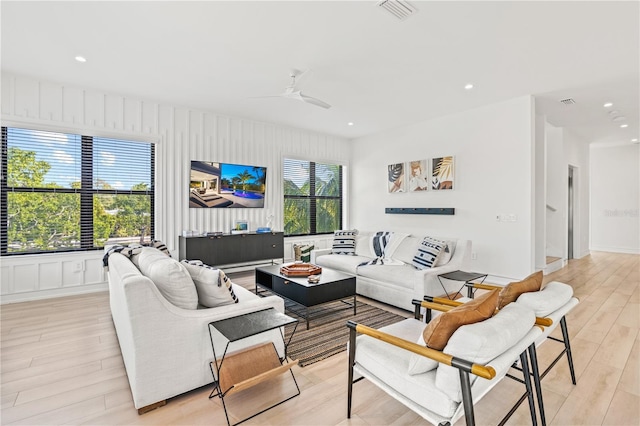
x=61, y=365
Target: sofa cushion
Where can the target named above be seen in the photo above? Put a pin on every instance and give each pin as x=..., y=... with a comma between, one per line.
x=441, y=328
x=548, y=300
x=446, y=253
x=213, y=287
x=170, y=277
x=390, y=364
x=427, y=253
x=395, y=275
x=482, y=342
x=344, y=242
x=406, y=249
x=513, y=290
x=348, y=264
x=363, y=247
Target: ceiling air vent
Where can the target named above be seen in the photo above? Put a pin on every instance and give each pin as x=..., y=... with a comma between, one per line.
x=568, y=101
x=400, y=9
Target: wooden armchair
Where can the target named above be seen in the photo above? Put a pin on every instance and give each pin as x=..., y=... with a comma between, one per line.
x=551, y=305
x=456, y=380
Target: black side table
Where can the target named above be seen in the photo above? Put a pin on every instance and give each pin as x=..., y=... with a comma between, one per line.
x=465, y=277
x=248, y=367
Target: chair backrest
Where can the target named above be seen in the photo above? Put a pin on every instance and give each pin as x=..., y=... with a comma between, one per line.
x=487, y=342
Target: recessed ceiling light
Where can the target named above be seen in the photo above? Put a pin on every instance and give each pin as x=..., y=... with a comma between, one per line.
x=350, y=123
x=81, y=59
x=468, y=86
x=608, y=105
x=624, y=125
x=634, y=140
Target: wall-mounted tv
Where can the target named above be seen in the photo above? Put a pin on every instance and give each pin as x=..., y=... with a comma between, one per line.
x=219, y=185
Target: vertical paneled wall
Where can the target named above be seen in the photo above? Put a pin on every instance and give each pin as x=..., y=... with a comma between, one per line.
x=181, y=134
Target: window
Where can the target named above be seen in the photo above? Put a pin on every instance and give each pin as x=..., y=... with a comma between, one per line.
x=64, y=192
x=312, y=197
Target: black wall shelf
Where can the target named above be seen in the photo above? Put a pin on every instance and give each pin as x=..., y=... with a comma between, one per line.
x=420, y=210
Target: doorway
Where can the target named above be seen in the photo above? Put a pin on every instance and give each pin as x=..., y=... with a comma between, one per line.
x=570, y=212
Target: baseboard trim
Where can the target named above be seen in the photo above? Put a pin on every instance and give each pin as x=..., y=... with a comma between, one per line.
x=616, y=249
x=52, y=293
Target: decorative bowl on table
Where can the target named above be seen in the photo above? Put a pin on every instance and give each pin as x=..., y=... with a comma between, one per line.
x=300, y=270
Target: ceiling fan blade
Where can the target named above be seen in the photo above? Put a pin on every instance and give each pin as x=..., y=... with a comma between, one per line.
x=314, y=101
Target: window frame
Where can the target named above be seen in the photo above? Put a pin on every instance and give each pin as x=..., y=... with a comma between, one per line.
x=314, y=198
x=86, y=192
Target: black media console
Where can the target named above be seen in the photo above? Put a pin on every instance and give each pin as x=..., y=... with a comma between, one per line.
x=228, y=249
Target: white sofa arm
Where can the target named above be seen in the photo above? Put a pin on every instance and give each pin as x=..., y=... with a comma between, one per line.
x=319, y=252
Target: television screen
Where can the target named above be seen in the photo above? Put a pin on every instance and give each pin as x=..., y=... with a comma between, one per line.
x=219, y=185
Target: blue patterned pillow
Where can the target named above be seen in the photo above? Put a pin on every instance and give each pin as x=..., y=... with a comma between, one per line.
x=344, y=242
x=428, y=251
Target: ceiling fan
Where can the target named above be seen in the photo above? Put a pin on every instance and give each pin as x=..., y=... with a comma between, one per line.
x=292, y=92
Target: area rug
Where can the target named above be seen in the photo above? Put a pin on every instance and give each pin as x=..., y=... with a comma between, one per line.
x=328, y=333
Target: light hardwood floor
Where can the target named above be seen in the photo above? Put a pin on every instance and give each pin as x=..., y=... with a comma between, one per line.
x=61, y=364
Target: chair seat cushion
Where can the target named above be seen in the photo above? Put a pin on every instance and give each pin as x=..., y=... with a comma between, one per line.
x=553, y=296
x=390, y=365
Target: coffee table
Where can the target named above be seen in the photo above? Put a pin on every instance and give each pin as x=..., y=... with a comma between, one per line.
x=333, y=286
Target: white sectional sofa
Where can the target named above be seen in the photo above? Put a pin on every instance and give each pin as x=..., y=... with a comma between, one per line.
x=397, y=281
x=167, y=349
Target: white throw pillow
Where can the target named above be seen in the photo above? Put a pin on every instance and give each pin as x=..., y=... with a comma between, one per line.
x=421, y=364
x=551, y=298
x=213, y=287
x=170, y=277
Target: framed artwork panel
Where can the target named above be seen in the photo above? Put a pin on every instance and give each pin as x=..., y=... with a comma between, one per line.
x=396, y=178
x=417, y=175
x=442, y=176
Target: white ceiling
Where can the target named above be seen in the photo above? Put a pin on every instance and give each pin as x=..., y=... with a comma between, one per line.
x=375, y=71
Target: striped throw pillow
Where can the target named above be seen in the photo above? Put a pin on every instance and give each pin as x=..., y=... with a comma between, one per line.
x=213, y=286
x=344, y=242
x=428, y=251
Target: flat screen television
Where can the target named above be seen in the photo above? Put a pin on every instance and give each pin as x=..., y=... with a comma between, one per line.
x=221, y=185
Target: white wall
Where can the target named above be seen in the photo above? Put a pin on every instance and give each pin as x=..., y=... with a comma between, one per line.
x=556, y=193
x=493, y=149
x=182, y=134
x=615, y=189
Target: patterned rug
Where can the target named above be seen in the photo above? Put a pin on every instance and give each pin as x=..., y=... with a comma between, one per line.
x=328, y=333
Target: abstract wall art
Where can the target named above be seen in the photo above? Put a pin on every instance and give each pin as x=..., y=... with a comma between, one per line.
x=396, y=177
x=442, y=173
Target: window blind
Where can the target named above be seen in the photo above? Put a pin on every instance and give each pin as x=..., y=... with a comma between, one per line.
x=64, y=192
x=312, y=197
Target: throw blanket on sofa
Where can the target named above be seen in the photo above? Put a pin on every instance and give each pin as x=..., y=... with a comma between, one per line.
x=131, y=250
x=379, y=243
